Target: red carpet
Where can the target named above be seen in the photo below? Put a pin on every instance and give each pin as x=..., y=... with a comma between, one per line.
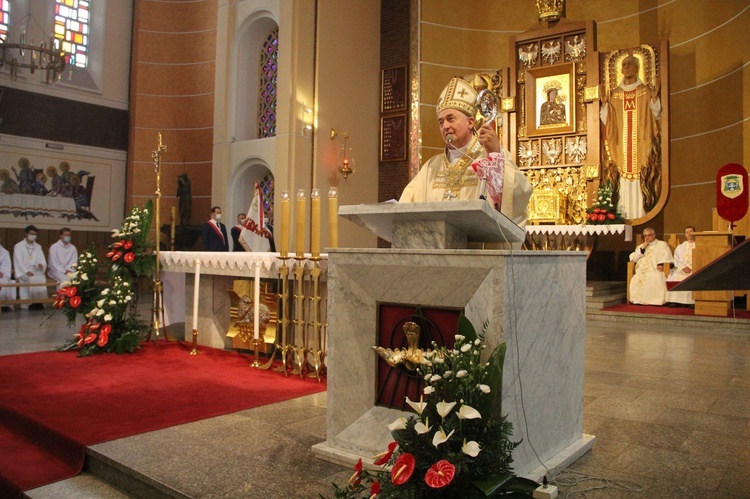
x=653, y=309
x=54, y=404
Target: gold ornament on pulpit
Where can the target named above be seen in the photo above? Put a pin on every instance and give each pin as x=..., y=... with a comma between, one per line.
x=412, y=356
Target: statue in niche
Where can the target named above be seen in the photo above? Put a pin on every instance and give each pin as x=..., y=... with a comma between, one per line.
x=631, y=114
x=184, y=198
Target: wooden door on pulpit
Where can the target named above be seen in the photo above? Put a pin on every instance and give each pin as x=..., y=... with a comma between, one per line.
x=708, y=247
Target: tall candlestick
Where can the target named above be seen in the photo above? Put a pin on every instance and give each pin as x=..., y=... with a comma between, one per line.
x=333, y=218
x=315, y=223
x=256, y=303
x=196, y=288
x=285, y=222
x=300, y=246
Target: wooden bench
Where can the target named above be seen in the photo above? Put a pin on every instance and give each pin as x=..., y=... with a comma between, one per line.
x=48, y=284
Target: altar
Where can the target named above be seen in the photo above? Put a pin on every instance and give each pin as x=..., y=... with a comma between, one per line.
x=532, y=300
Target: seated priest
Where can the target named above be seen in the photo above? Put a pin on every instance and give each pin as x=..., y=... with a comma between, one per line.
x=469, y=155
x=649, y=283
x=683, y=267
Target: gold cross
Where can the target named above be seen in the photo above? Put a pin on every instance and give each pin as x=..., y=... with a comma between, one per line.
x=161, y=149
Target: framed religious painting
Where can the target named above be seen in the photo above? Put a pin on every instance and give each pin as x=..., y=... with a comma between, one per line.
x=550, y=100
x=393, y=138
x=393, y=89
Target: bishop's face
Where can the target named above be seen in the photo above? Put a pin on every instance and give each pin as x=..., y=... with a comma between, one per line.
x=455, y=125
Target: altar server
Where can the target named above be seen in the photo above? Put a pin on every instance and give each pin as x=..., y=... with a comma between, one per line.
x=450, y=175
x=5, y=274
x=649, y=284
x=683, y=267
x=63, y=257
x=30, y=266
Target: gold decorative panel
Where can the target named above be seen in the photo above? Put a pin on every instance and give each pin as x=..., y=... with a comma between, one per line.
x=568, y=182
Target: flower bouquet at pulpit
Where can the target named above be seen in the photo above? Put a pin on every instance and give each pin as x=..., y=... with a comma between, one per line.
x=457, y=444
x=603, y=212
x=111, y=320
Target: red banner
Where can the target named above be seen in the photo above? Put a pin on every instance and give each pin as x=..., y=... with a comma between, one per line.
x=731, y=192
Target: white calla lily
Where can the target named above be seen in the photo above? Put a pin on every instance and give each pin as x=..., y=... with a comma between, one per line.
x=417, y=406
x=108, y=318
x=471, y=448
x=444, y=408
x=440, y=437
x=468, y=412
x=399, y=424
x=100, y=303
x=422, y=428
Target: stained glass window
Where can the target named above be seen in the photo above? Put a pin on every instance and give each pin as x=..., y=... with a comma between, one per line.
x=266, y=187
x=268, y=71
x=72, y=29
x=4, y=18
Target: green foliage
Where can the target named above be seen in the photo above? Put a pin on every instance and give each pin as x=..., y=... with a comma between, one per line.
x=112, y=324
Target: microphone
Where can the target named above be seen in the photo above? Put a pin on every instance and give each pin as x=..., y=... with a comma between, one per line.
x=482, y=181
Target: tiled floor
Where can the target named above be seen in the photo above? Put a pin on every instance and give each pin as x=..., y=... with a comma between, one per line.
x=670, y=408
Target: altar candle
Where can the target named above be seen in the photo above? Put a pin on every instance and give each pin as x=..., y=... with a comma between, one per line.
x=196, y=287
x=333, y=218
x=285, y=222
x=256, y=303
x=315, y=223
x=300, y=246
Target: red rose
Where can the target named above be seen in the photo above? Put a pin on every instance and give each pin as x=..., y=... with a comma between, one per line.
x=383, y=458
x=611, y=216
x=403, y=469
x=600, y=217
x=128, y=245
x=75, y=302
x=129, y=257
x=440, y=474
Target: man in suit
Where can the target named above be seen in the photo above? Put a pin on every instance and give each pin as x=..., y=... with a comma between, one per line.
x=236, y=231
x=214, y=233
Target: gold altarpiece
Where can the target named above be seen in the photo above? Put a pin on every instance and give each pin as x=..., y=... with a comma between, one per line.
x=553, y=121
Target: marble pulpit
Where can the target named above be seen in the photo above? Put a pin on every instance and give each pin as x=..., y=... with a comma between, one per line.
x=533, y=300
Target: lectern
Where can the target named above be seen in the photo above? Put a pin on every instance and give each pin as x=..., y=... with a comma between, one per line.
x=708, y=247
x=532, y=300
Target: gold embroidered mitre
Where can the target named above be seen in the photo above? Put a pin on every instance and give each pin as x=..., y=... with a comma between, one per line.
x=459, y=94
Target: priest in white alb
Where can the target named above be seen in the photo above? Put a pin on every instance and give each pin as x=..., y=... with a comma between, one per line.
x=470, y=156
x=683, y=267
x=649, y=283
x=63, y=257
x=30, y=267
x=5, y=275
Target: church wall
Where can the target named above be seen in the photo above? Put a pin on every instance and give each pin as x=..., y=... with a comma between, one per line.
x=348, y=98
x=709, y=85
x=172, y=92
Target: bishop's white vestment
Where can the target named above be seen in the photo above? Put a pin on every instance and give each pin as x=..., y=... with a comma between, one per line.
x=5, y=270
x=683, y=257
x=62, y=259
x=27, y=258
x=649, y=284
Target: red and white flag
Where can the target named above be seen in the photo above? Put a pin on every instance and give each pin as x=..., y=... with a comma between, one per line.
x=255, y=236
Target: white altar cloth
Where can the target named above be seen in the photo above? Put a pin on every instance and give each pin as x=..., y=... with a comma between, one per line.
x=25, y=205
x=577, y=230
x=232, y=263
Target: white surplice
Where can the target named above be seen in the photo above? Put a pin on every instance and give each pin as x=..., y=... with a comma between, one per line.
x=26, y=258
x=683, y=257
x=5, y=270
x=62, y=259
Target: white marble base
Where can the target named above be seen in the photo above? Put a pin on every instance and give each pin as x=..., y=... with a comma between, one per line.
x=534, y=301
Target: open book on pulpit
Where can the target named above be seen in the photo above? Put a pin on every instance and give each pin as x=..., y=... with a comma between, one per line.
x=435, y=225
